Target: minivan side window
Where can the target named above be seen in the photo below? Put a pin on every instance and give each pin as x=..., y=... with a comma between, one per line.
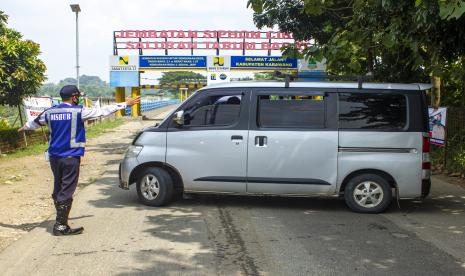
x=291, y=111
x=213, y=110
x=372, y=111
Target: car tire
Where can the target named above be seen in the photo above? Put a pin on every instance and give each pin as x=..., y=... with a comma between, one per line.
x=368, y=193
x=155, y=187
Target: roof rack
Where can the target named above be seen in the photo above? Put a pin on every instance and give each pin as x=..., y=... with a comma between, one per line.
x=288, y=78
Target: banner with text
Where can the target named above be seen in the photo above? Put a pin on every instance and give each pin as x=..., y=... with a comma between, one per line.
x=36, y=105
x=173, y=62
x=437, y=125
x=263, y=62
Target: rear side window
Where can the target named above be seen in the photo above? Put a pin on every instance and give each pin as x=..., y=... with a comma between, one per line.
x=213, y=110
x=291, y=111
x=372, y=111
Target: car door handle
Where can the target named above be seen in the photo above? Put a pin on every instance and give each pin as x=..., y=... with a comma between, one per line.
x=236, y=139
x=261, y=141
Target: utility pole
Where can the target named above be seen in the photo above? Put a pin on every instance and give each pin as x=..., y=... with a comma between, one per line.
x=76, y=9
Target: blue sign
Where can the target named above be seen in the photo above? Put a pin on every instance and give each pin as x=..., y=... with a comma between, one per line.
x=124, y=78
x=173, y=61
x=263, y=62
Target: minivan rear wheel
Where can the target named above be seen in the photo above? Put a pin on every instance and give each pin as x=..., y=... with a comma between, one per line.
x=368, y=193
x=155, y=187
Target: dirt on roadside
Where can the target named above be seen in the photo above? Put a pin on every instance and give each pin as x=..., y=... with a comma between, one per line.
x=26, y=183
x=456, y=180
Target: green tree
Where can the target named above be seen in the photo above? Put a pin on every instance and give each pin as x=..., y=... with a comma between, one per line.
x=21, y=71
x=93, y=86
x=266, y=76
x=402, y=41
x=449, y=9
x=180, y=77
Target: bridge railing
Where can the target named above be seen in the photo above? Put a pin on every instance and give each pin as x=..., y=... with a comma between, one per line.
x=151, y=105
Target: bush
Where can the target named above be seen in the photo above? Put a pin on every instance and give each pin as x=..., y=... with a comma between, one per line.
x=455, y=159
x=454, y=155
x=10, y=136
x=4, y=124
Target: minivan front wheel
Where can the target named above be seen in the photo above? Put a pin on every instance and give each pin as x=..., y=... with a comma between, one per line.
x=368, y=193
x=154, y=187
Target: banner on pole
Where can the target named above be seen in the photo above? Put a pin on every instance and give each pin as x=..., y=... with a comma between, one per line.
x=437, y=125
x=36, y=105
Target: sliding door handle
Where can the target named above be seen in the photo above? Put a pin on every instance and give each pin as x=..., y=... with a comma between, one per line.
x=261, y=141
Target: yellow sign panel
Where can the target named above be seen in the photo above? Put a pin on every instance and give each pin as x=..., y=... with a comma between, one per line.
x=123, y=60
x=218, y=61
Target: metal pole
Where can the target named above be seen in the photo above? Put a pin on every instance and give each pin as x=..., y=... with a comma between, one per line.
x=77, y=49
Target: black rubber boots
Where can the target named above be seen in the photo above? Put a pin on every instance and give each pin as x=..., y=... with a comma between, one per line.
x=61, y=227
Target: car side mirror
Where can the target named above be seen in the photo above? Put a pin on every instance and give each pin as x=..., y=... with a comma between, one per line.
x=178, y=118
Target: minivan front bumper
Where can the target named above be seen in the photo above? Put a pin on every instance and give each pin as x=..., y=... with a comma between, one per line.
x=126, y=166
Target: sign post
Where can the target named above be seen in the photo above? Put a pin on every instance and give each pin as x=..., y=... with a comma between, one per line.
x=120, y=97
x=135, y=109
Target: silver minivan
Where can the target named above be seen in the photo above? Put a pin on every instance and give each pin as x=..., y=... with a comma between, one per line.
x=367, y=143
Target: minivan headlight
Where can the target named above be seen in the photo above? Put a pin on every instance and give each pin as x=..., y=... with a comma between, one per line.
x=133, y=151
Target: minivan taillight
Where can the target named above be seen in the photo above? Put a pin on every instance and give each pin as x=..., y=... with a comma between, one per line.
x=425, y=143
x=425, y=159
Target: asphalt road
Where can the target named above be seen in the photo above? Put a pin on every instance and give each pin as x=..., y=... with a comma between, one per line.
x=229, y=235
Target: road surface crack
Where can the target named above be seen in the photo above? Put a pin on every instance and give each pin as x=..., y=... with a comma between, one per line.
x=235, y=247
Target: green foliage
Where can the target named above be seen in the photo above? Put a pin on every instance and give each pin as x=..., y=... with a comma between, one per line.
x=459, y=159
x=9, y=135
x=396, y=41
x=451, y=9
x=456, y=152
x=309, y=19
x=179, y=77
x=36, y=149
x=455, y=157
x=21, y=71
x=99, y=128
x=93, y=86
x=4, y=124
x=265, y=76
x=10, y=114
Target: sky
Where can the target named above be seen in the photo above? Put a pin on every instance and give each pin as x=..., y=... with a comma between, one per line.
x=51, y=23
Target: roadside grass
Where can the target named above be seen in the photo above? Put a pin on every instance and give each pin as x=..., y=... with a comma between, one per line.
x=99, y=128
x=30, y=150
x=91, y=132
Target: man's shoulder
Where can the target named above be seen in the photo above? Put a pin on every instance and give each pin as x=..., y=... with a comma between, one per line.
x=66, y=106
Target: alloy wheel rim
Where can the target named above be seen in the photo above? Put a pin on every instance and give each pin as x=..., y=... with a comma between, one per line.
x=368, y=194
x=150, y=187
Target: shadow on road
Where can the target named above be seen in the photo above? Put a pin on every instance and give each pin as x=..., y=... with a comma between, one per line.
x=208, y=225
x=447, y=204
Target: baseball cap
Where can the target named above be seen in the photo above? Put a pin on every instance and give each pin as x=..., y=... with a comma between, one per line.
x=68, y=91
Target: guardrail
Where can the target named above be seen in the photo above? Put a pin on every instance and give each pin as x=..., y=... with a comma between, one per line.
x=151, y=105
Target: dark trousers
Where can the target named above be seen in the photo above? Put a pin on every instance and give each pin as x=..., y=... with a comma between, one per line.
x=66, y=175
